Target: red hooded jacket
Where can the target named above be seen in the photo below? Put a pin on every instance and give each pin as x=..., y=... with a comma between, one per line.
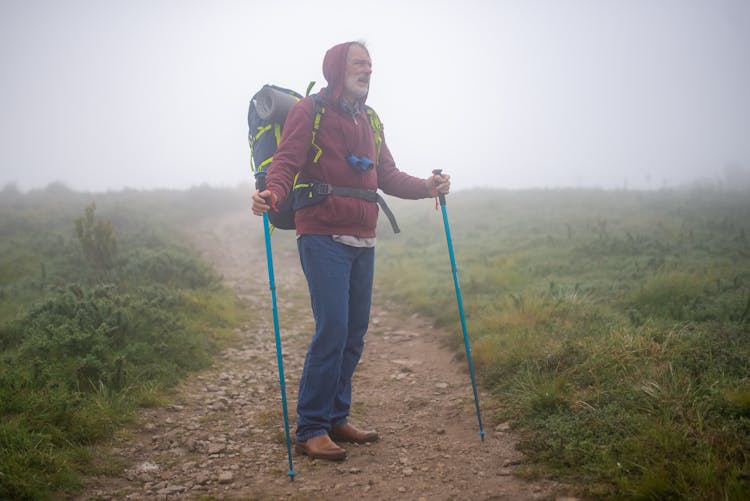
x=340, y=134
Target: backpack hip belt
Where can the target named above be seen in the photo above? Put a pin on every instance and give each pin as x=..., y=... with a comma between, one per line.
x=324, y=189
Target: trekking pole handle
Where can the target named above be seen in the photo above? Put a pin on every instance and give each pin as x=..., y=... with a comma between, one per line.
x=260, y=181
x=441, y=196
x=260, y=185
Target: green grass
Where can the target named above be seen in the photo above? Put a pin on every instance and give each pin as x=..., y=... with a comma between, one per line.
x=102, y=309
x=613, y=328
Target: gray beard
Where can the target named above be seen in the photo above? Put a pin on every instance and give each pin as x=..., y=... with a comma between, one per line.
x=356, y=91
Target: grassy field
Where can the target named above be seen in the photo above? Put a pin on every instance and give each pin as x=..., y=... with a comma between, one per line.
x=611, y=327
x=101, y=309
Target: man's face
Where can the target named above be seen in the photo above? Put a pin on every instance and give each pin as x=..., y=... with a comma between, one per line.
x=357, y=75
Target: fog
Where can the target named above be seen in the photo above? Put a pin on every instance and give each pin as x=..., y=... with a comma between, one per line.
x=639, y=94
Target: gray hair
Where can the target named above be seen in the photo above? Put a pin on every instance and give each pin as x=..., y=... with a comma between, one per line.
x=362, y=44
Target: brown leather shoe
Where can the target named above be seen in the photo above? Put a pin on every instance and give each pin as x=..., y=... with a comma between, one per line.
x=320, y=447
x=348, y=433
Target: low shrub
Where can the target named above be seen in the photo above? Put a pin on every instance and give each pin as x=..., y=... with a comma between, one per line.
x=95, y=322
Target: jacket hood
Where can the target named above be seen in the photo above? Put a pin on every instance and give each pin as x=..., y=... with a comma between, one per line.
x=334, y=70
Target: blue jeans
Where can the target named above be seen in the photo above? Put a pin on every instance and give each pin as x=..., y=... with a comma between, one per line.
x=339, y=278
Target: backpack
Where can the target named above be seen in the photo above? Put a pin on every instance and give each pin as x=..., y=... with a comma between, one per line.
x=266, y=115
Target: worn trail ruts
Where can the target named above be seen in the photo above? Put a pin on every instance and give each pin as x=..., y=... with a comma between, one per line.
x=221, y=437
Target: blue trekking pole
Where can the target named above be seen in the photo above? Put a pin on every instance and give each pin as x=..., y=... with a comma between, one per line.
x=441, y=197
x=260, y=185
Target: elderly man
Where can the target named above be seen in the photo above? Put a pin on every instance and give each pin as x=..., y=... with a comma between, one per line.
x=336, y=238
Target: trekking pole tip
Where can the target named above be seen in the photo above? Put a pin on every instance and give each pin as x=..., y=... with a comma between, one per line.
x=482, y=434
x=291, y=475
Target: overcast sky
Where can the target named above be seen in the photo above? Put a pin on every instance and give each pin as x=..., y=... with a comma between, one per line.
x=104, y=94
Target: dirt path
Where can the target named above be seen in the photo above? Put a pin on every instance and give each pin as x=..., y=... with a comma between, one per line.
x=222, y=436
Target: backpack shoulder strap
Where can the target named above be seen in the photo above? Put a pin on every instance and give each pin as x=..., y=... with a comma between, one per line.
x=377, y=131
x=318, y=110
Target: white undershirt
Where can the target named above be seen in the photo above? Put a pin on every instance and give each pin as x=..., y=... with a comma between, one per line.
x=353, y=241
